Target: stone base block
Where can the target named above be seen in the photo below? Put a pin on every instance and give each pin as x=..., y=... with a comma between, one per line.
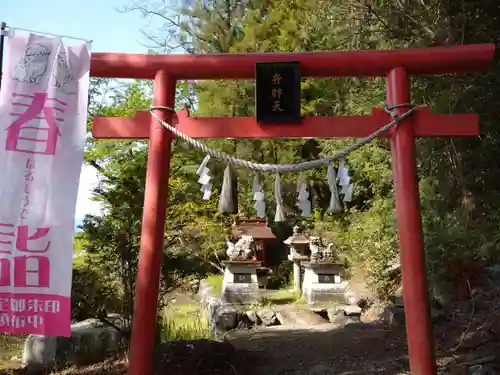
x=323, y=283
x=241, y=285
x=324, y=293
x=244, y=294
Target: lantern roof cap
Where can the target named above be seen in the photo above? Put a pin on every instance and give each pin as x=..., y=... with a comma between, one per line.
x=296, y=238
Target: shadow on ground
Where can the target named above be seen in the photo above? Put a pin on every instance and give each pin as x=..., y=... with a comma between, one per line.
x=466, y=336
x=357, y=348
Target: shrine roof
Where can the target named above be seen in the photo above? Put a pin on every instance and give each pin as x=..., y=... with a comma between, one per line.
x=257, y=228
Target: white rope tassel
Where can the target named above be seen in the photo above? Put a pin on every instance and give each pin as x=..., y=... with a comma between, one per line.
x=303, y=201
x=280, y=214
x=258, y=197
x=335, y=207
x=204, y=180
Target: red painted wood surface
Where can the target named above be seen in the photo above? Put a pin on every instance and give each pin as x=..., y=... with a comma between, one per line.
x=371, y=63
x=426, y=125
x=409, y=229
x=152, y=231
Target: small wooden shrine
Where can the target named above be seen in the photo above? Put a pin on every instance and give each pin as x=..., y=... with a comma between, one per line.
x=264, y=238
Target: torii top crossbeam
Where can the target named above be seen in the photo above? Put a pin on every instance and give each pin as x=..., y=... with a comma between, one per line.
x=437, y=60
x=419, y=61
x=396, y=66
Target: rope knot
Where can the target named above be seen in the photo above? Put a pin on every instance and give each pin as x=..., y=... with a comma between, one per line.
x=389, y=108
x=161, y=107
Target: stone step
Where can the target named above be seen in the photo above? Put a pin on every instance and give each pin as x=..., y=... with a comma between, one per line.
x=298, y=316
x=349, y=310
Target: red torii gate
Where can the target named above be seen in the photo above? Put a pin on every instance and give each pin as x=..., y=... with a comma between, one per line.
x=396, y=66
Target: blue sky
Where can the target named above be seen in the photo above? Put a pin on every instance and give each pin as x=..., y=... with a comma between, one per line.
x=96, y=20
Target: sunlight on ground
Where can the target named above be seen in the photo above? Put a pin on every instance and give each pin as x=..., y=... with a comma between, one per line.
x=11, y=349
x=270, y=297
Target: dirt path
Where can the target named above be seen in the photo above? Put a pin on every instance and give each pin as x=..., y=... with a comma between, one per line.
x=325, y=350
x=467, y=336
x=322, y=350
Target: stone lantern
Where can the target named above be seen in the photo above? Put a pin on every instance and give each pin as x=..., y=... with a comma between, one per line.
x=299, y=251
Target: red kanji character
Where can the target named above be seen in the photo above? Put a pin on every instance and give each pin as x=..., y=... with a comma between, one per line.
x=37, y=106
x=23, y=237
x=31, y=271
x=5, y=244
x=4, y=274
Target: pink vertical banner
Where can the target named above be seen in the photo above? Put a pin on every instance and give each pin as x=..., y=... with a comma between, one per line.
x=43, y=119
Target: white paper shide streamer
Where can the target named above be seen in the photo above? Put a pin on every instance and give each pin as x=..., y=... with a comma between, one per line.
x=303, y=201
x=335, y=207
x=346, y=186
x=258, y=197
x=280, y=212
x=204, y=178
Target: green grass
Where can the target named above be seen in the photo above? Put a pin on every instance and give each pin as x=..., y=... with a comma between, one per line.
x=185, y=322
x=215, y=281
x=11, y=350
x=279, y=297
x=282, y=296
x=179, y=322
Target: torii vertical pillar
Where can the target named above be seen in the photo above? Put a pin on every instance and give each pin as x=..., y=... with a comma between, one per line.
x=152, y=233
x=409, y=225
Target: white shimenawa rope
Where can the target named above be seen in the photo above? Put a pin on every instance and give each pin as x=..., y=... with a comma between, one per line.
x=278, y=168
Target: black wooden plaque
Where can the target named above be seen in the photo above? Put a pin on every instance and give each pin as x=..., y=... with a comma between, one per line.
x=242, y=278
x=326, y=278
x=277, y=92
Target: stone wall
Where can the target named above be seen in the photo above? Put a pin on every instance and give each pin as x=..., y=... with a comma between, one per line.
x=224, y=317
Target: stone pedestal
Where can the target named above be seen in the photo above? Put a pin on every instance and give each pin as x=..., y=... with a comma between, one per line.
x=240, y=284
x=323, y=282
x=296, y=258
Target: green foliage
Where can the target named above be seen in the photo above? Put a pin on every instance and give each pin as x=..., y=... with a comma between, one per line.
x=460, y=201
x=110, y=241
x=92, y=294
x=215, y=281
x=282, y=275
